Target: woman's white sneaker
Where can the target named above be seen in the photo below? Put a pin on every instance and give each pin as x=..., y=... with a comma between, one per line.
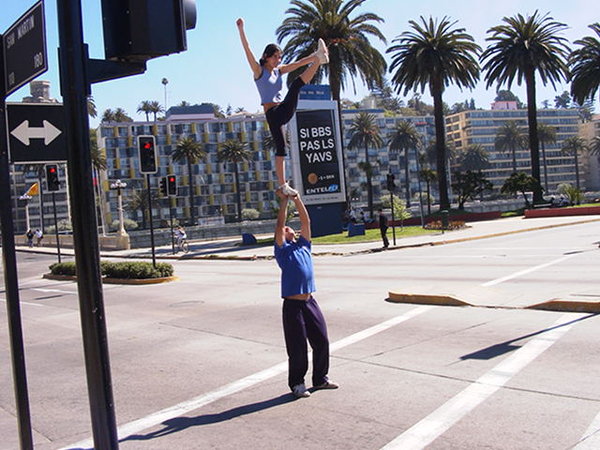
x=300, y=391
x=322, y=52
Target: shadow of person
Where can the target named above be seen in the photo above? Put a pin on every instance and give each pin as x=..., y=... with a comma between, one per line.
x=181, y=423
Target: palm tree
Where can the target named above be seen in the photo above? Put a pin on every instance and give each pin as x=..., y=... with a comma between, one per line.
x=108, y=116
x=364, y=133
x=234, y=152
x=429, y=176
x=474, y=158
x=572, y=146
x=156, y=108
x=138, y=201
x=405, y=137
x=546, y=135
x=510, y=138
x=191, y=152
x=146, y=108
x=348, y=39
x=91, y=107
x=585, y=67
x=121, y=116
x=595, y=146
x=520, y=48
x=435, y=54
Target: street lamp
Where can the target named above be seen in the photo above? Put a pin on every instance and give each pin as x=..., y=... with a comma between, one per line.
x=118, y=185
x=26, y=198
x=164, y=83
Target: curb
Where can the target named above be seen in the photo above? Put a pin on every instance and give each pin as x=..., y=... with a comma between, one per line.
x=442, y=300
x=130, y=281
x=567, y=306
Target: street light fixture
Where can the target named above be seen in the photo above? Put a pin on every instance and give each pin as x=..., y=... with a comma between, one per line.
x=118, y=185
x=26, y=198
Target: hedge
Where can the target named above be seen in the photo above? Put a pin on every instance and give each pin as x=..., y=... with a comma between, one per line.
x=123, y=270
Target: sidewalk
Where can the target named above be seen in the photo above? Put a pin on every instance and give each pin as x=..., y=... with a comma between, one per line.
x=232, y=248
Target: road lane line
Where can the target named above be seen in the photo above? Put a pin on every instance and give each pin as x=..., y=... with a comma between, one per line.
x=591, y=437
x=159, y=417
x=526, y=271
x=431, y=427
x=24, y=303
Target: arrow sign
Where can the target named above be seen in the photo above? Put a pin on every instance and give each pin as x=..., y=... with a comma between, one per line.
x=37, y=133
x=47, y=132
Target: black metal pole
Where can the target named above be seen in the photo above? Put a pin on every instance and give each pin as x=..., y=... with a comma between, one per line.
x=151, y=224
x=393, y=225
x=11, y=280
x=171, y=220
x=75, y=90
x=56, y=226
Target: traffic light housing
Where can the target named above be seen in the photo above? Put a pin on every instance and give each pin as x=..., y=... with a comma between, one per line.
x=163, y=187
x=391, y=186
x=52, y=177
x=172, y=185
x=147, y=154
x=139, y=30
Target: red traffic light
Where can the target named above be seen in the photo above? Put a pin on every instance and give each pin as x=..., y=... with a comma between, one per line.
x=171, y=179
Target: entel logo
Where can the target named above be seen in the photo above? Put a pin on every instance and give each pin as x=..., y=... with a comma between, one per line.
x=333, y=188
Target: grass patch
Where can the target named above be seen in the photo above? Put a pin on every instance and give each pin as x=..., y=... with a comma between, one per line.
x=372, y=235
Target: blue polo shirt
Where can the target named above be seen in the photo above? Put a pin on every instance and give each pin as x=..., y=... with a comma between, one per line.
x=295, y=261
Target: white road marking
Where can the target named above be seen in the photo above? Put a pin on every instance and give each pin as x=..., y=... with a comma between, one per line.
x=202, y=400
x=526, y=271
x=54, y=290
x=23, y=303
x=591, y=437
x=431, y=427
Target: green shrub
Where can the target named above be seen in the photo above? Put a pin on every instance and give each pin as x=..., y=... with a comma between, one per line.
x=65, y=268
x=124, y=270
x=452, y=225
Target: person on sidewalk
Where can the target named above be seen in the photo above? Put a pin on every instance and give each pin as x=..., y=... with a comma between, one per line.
x=383, y=227
x=38, y=236
x=279, y=111
x=302, y=317
x=29, y=235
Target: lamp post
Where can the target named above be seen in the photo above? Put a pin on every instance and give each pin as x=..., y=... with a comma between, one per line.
x=164, y=83
x=118, y=185
x=26, y=198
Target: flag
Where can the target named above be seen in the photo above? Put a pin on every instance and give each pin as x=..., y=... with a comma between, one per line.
x=33, y=190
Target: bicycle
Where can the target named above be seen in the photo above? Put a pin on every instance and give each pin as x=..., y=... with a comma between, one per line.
x=183, y=245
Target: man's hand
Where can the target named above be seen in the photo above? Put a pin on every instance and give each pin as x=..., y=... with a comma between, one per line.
x=280, y=194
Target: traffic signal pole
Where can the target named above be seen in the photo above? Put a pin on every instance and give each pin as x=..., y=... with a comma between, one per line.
x=151, y=224
x=75, y=88
x=11, y=283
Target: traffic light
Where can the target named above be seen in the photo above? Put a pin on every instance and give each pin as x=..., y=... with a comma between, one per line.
x=139, y=30
x=172, y=185
x=52, y=177
x=163, y=187
x=147, y=153
x=390, y=182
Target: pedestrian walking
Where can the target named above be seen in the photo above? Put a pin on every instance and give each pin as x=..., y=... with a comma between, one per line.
x=302, y=317
x=29, y=236
x=38, y=237
x=383, y=227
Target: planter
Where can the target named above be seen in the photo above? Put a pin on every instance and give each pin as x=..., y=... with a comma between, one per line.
x=132, y=281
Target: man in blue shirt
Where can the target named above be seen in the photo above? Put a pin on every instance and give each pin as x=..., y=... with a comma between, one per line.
x=302, y=317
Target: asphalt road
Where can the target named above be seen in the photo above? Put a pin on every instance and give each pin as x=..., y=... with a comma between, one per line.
x=200, y=363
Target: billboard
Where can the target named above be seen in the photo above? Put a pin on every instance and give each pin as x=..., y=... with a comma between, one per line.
x=316, y=152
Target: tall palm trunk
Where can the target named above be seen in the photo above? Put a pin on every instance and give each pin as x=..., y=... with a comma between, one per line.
x=534, y=143
x=406, y=178
x=369, y=182
x=440, y=143
x=237, y=190
x=545, y=165
x=192, y=200
x=576, y=169
x=514, y=159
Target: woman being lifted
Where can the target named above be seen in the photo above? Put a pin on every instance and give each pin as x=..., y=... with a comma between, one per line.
x=268, y=73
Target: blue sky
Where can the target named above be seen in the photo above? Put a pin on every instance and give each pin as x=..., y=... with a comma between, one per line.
x=214, y=68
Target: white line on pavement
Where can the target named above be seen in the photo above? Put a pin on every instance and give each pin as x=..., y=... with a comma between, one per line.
x=526, y=271
x=59, y=291
x=195, y=403
x=24, y=303
x=591, y=437
x=431, y=427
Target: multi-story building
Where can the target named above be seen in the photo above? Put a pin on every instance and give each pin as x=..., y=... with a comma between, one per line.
x=480, y=127
x=591, y=162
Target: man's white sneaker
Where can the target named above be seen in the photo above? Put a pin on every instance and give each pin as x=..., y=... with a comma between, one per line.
x=287, y=190
x=322, y=52
x=300, y=391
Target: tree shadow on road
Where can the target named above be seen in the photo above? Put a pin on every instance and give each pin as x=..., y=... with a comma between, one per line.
x=177, y=424
x=508, y=346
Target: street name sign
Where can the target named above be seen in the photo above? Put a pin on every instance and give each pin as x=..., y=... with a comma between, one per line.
x=36, y=132
x=25, y=55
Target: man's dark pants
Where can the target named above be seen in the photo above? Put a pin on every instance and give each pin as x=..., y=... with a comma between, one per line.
x=304, y=320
